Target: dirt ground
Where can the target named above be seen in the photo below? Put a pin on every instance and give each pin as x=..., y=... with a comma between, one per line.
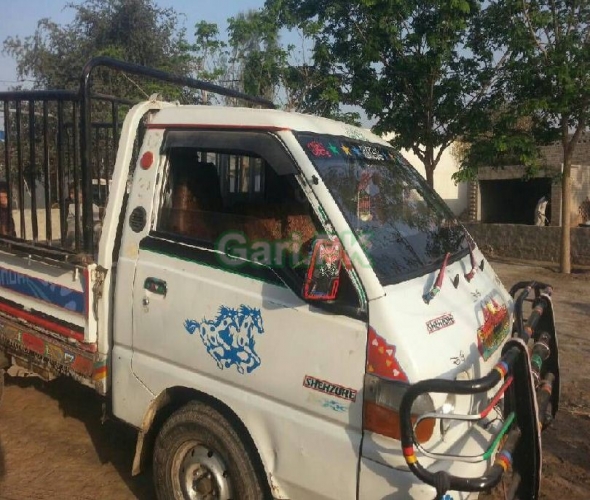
x=54, y=446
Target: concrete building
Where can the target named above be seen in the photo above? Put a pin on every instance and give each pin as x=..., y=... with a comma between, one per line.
x=499, y=208
x=455, y=195
x=502, y=196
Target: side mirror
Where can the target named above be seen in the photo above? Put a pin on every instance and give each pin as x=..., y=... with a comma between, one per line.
x=323, y=274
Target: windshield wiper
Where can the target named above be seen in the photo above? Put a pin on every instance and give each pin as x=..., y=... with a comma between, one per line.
x=469, y=276
x=439, y=281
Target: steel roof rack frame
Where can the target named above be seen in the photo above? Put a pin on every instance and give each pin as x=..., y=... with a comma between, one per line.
x=135, y=69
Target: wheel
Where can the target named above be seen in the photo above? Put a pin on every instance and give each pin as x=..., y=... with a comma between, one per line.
x=198, y=455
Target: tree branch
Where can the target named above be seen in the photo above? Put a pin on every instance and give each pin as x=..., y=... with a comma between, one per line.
x=570, y=19
x=529, y=25
x=479, y=94
x=421, y=155
x=555, y=23
x=442, y=149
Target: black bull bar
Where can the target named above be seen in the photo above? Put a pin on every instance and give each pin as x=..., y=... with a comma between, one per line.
x=529, y=370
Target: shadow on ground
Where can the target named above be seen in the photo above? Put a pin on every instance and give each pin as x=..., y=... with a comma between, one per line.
x=113, y=441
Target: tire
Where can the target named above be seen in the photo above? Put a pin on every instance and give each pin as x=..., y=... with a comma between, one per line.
x=199, y=455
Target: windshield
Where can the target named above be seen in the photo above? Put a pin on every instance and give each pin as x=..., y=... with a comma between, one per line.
x=403, y=226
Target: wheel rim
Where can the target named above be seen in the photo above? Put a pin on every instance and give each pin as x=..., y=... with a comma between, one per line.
x=202, y=473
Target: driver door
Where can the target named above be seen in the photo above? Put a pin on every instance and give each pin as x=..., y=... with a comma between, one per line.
x=217, y=304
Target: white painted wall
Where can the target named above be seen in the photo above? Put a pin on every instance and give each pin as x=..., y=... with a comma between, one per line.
x=455, y=195
x=41, y=224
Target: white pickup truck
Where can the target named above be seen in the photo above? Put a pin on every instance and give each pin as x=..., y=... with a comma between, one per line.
x=278, y=303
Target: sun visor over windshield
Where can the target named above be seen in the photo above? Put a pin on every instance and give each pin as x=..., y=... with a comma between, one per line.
x=261, y=143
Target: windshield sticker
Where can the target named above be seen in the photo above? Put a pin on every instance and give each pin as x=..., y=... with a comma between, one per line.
x=318, y=149
x=229, y=338
x=381, y=359
x=319, y=385
x=439, y=323
x=494, y=330
x=363, y=211
x=355, y=134
x=368, y=188
x=332, y=149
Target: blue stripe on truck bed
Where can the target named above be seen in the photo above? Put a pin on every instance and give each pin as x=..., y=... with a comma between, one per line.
x=39, y=289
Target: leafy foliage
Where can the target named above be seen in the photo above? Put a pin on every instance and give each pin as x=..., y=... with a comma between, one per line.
x=252, y=60
x=546, y=79
x=415, y=66
x=509, y=137
x=255, y=61
x=132, y=30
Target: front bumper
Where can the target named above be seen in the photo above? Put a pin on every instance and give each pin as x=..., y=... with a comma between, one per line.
x=529, y=404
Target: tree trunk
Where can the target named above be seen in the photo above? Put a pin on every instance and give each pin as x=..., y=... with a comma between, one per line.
x=566, y=182
x=429, y=175
x=429, y=166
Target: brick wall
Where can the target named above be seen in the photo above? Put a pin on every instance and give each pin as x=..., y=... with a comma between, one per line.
x=530, y=242
x=554, y=152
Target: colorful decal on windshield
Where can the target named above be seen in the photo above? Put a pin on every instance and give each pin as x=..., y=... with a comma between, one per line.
x=318, y=149
x=229, y=338
x=439, y=323
x=330, y=147
x=381, y=359
x=355, y=134
x=319, y=385
x=363, y=211
x=367, y=188
x=494, y=329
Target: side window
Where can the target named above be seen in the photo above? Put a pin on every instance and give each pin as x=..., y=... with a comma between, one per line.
x=191, y=197
x=237, y=203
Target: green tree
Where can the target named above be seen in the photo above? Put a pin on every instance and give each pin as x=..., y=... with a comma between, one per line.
x=257, y=52
x=508, y=135
x=254, y=60
x=136, y=31
x=546, y=79
x=415, y=66
x=251, y=60
x=52, y=57
x=209, y=52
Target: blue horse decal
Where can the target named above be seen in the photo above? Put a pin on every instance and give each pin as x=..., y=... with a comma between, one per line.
x=229, y=338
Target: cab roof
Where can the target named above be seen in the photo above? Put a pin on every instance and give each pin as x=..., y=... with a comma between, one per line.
x=183, y=116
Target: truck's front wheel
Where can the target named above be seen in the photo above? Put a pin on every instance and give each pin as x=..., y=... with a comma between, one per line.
x=199, y=455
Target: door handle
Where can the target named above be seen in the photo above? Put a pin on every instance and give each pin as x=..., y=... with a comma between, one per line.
x=156, y=286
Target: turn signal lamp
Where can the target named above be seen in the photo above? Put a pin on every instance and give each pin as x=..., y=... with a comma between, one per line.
x=381, y=409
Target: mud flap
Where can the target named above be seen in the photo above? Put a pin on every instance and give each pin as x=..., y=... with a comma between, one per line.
x=527, y=458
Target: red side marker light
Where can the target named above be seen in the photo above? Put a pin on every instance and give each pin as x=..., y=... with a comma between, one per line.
x=147, y=160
